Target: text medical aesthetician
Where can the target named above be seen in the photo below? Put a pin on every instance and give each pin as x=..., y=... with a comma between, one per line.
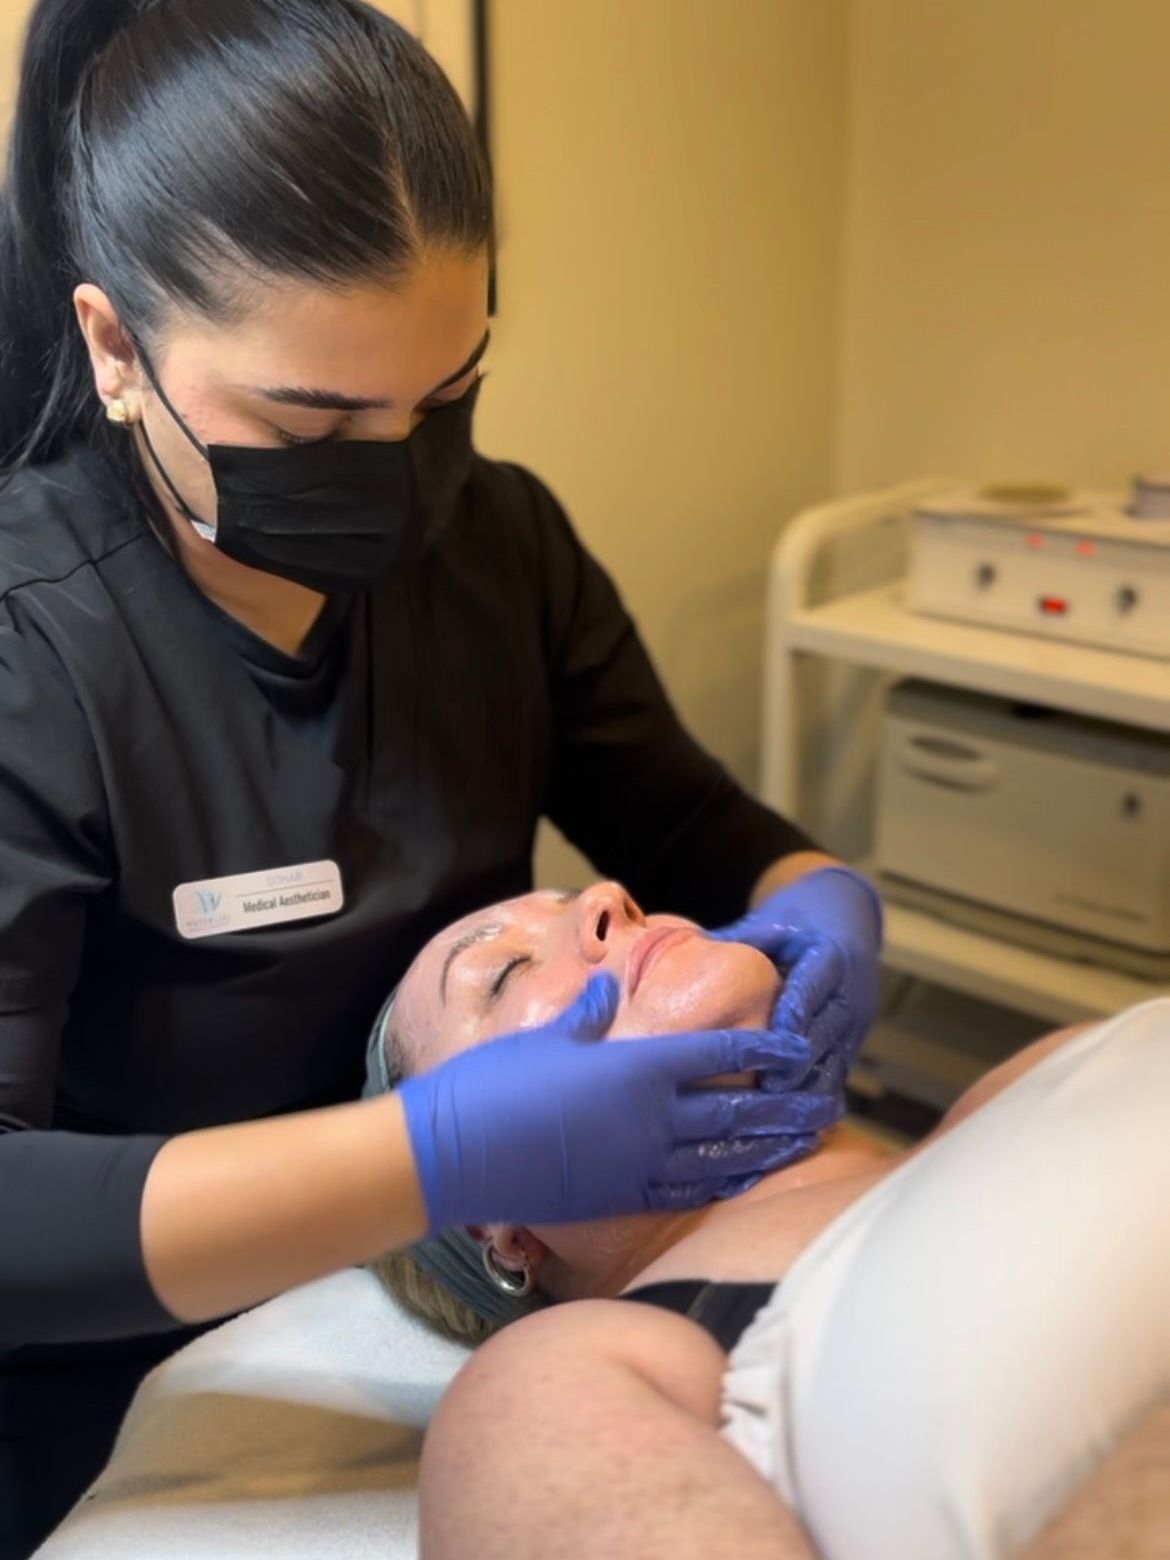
x=288, y=676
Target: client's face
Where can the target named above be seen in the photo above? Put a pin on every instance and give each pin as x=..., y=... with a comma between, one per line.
x=519, y=964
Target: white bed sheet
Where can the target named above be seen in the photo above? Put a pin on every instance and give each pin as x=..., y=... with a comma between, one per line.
x=293, y=1430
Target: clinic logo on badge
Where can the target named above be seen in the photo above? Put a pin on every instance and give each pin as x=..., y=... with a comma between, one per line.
x=201, y=910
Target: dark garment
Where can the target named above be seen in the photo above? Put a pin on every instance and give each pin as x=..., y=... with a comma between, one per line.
x=145, y=742
x=726, y=1311
x=306, y=690
x=61, y=1409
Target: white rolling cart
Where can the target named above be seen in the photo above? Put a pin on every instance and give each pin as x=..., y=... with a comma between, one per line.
x=837, y=634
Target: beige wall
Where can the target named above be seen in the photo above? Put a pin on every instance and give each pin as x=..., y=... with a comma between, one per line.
x=670, y=192
x=13, y=14
x=1007, y=303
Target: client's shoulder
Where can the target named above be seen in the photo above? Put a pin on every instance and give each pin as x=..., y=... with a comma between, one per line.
x=565, y=1349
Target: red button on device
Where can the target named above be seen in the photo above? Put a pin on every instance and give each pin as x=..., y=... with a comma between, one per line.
x=1054, y=606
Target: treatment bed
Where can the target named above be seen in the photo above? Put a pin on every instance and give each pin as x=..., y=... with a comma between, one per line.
x=293, y=1430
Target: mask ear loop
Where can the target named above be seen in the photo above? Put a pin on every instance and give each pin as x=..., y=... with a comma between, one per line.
x=207, y=532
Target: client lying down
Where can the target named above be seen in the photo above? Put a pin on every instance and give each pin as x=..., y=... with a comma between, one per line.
x=867, y=1355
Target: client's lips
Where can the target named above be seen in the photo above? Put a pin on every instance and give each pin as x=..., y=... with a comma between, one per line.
x=647, y=950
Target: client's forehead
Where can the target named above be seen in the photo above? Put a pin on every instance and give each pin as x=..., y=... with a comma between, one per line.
x=536, y=905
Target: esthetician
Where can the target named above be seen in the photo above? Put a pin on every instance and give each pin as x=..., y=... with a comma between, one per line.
x=288, y=676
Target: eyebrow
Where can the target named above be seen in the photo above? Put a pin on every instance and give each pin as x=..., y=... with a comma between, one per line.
x=484, y=933
x=468, y=940
x=336, y=401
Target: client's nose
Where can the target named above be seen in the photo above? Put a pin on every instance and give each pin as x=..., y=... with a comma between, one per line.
x=603, y=913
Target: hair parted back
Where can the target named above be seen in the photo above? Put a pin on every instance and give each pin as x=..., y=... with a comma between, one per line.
x=177, y=152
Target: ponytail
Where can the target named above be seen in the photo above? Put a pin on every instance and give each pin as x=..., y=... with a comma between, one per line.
x=173, y=151
x=45, y=384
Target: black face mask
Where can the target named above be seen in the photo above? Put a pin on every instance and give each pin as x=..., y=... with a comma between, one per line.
x=334, y=516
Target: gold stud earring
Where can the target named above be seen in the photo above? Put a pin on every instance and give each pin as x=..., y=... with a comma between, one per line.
x=118, y=412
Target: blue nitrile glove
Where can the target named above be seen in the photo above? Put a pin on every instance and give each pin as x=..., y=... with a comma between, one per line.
x=824, y=935
x=549, y=1125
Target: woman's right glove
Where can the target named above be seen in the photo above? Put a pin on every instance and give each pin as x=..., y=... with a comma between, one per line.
x=549, y=1126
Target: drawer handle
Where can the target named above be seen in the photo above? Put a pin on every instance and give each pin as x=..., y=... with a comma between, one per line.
x=948, y=763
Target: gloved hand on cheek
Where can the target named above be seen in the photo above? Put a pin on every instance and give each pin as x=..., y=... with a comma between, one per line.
x=824, y=935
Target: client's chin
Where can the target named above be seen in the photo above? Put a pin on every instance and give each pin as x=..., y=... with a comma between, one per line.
x=698, y=984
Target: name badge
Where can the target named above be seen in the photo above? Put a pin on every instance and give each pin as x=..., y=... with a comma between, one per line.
x=249, y=899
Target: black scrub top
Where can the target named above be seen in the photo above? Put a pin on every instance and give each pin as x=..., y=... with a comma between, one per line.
x=148, y=741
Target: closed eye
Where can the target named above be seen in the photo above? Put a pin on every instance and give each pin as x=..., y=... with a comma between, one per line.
x=432, y=404
x=501, y=980
x=297, y=441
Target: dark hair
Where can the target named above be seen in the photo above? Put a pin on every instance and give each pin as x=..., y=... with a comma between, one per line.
x=174, y=151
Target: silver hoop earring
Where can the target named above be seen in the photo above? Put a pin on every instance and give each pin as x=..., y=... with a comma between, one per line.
x=516, y=1285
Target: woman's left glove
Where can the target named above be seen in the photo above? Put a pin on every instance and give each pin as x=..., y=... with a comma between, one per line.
x=824, y=935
